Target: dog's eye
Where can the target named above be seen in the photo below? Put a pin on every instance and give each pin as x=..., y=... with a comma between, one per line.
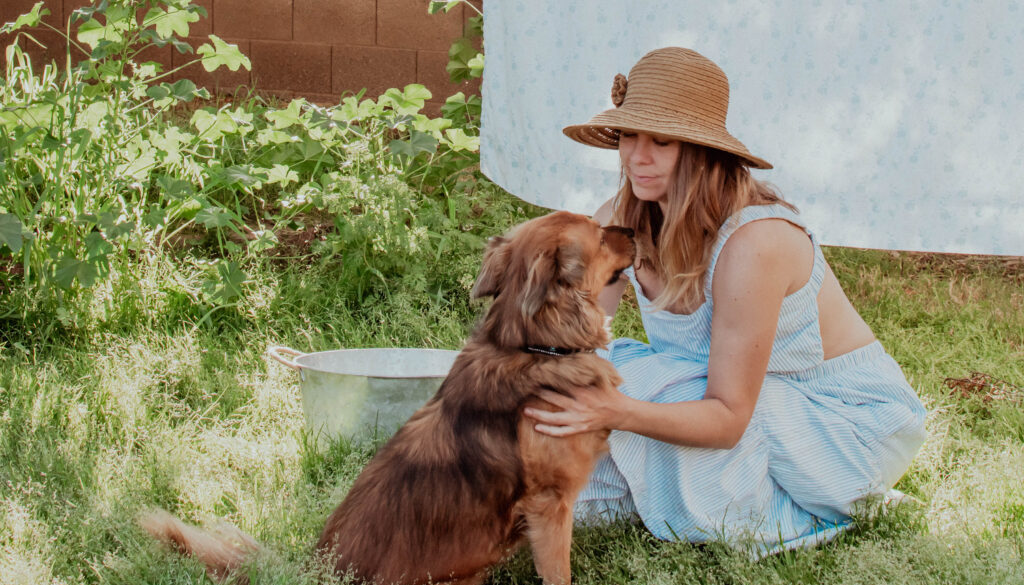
x=615, y=277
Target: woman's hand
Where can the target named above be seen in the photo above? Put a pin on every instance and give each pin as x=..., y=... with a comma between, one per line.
x=589, y=408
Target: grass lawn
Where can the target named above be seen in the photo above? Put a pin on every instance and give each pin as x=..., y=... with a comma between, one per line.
x=127, y=403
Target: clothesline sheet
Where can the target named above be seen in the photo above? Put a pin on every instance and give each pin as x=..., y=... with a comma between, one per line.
x=890, y=125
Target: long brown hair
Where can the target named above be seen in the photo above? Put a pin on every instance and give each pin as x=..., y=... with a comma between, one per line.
x=709, y=186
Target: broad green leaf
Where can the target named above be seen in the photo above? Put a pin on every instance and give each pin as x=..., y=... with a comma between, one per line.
x=476, y=65
x=93, y=32
x=10, y=231
x=264, y=240
x=140, y=157
x=244, y=175
x=93, y=115
x=185, y=90
x=226, y=285
x=418, y=142
x=86, y=12
x=159, y=92
x=460, y=54
x=270, y=136
x=70, y=268
x=416, y=91
x=401, y=148
x=182, y=47
x=461, y=141
x=422, y=142
x=462, y=111
x=213, y=127
x=282, y=175
x=286, y=117
x=120, y=229
x=213, y=216
x=432, y=126
x=310, y=149
x=399, y=122
x=242, y=119
x=175, y=188
x=30, y=19
x=475, y=26
x=168, y=143
x=86, y=270
x=353, y=110
x=407, y=102
x=155, y=217
x=31, y=116
x=221, y=53
x=172, y=22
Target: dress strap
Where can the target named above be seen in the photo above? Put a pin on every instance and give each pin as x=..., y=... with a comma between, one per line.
x=755, y=213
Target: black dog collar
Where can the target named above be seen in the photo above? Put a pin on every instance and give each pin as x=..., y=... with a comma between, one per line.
x=555, y=351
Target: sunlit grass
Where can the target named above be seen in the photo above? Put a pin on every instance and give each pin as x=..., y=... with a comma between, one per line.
x=134, y=403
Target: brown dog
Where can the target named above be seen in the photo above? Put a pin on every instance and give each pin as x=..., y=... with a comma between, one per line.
x=467, y=477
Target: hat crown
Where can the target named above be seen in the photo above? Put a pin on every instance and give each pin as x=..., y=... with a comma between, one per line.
x=680, y=82
x=672, y=92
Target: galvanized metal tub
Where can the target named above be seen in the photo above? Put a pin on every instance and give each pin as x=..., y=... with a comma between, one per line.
x=359, y=394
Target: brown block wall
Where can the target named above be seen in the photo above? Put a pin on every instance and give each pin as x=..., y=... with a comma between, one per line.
x=318, y=49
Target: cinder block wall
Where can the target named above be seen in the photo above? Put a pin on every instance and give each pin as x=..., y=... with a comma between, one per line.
x=318, y=49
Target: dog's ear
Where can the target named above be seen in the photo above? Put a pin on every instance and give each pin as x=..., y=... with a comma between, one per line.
x=549, y=273
x=571, y=267
x=492, y=270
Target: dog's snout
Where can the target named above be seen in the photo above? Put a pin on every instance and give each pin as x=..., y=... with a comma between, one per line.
x=628, y=232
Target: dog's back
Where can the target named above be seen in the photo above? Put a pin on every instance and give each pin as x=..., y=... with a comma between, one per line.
x=438, y=500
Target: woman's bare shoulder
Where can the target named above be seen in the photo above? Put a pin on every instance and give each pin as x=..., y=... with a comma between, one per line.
x=770, y=249
x=603, y=215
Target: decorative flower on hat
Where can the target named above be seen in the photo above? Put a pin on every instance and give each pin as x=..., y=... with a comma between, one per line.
x=619, y=89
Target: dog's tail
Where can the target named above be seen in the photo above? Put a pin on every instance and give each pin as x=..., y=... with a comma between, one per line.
x=223, y=549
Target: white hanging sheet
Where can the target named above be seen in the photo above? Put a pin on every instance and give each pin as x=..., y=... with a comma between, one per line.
x=894, y=125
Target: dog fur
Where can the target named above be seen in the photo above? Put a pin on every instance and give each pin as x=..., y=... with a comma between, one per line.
x=467, y=478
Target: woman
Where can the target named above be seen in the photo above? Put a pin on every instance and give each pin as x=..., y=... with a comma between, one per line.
x=763, y=408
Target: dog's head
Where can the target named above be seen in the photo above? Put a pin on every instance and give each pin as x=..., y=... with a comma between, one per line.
x=545, y=276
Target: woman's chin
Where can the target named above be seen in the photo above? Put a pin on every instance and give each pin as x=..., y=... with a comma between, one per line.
x=644, y=194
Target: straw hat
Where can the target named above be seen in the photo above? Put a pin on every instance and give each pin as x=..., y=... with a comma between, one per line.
x=673, y=92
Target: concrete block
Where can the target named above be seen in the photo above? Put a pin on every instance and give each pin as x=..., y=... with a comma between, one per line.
x=253, y=19
x=298, y=67
x=347, y=22
x=406, y=24
x=375, y=68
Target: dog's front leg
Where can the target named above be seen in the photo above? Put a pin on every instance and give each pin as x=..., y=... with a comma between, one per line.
x=548, y=516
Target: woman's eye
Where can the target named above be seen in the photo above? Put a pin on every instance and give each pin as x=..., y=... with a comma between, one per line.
x=662, y=142
x=627, y=134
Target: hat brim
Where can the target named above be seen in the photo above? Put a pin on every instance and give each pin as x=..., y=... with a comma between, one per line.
x=603, y=129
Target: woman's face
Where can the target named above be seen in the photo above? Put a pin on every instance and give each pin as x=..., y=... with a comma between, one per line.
x=650, y=164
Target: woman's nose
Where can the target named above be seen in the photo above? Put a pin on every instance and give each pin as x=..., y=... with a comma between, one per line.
x=642, y=148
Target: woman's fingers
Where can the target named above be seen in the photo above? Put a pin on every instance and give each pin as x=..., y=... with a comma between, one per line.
x=558, y=417
x=555, y=431
x=559, y=400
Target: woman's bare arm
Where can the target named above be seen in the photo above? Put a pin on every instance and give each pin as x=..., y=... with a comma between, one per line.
x=760, y=265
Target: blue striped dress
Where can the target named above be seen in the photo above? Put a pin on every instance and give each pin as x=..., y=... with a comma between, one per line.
x=824, y=435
